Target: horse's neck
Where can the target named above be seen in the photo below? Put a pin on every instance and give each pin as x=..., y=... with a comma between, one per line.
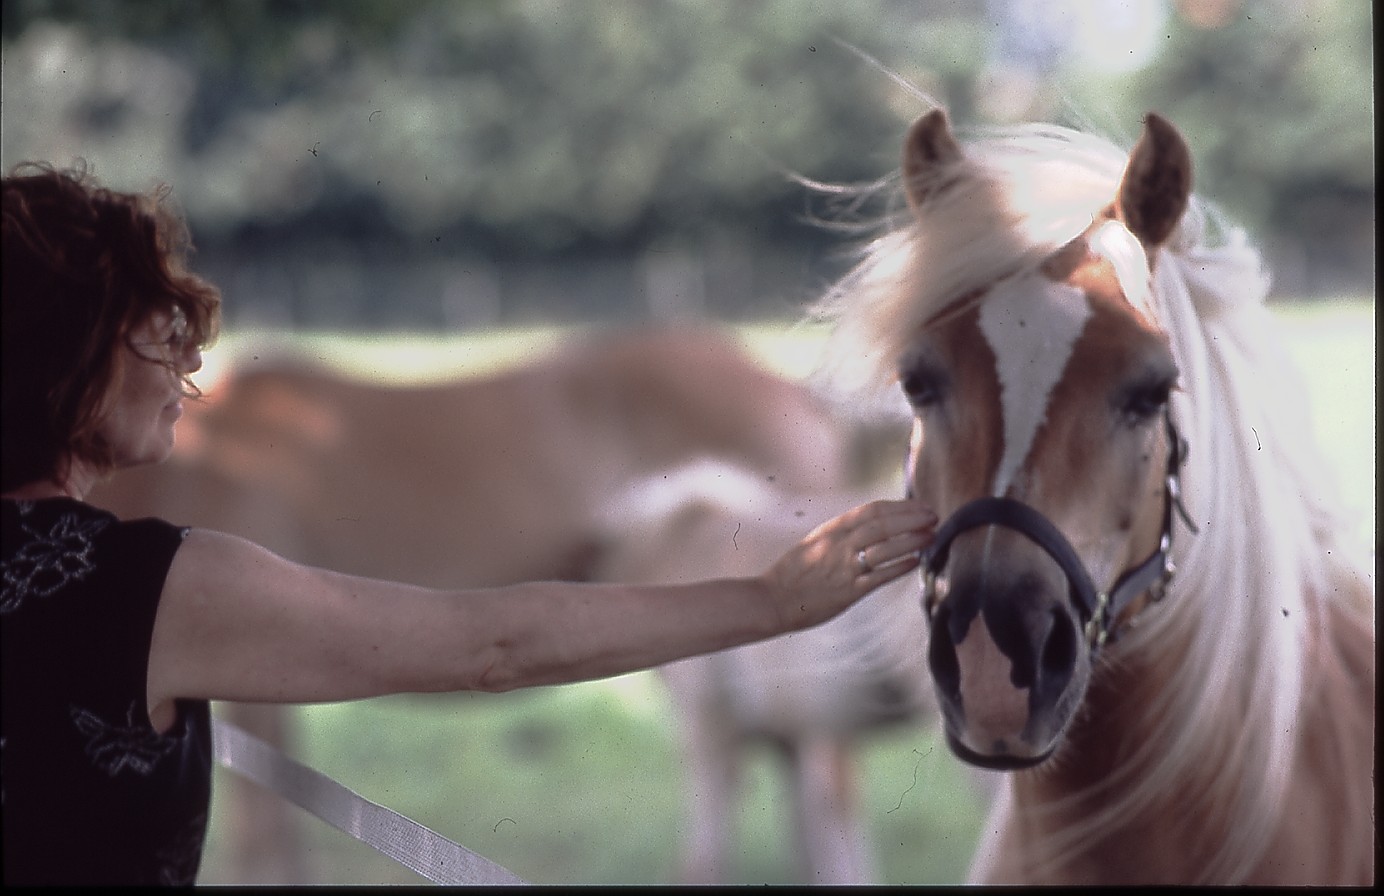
x=1330, y=837
x=1092, y=818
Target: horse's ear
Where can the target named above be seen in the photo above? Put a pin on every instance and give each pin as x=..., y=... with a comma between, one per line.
x=929, y=146
x=1157, y=183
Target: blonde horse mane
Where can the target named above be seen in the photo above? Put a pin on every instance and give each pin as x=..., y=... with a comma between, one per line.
x=1253, y=589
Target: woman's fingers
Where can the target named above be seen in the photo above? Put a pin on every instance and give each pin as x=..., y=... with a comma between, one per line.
x=895, y=548
x=888, y=537
x=882, y=575
x=847, y=557
x=876, y=524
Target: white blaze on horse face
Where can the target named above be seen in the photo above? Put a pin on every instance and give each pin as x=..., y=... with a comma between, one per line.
x=1032, y=324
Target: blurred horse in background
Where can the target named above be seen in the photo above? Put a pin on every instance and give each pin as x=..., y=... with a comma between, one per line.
x=479, y=481
x=502, y=478
x=1099, y=397
x=811, y=695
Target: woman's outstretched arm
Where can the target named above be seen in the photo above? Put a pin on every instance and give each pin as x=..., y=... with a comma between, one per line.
x=238, y=622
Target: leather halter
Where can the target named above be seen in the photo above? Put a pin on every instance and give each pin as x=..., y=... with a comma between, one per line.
x=1097, y=610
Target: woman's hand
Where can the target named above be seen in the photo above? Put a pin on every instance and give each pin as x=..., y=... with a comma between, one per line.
x=847, y=557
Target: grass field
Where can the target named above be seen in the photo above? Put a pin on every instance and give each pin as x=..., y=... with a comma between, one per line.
x=579, y=784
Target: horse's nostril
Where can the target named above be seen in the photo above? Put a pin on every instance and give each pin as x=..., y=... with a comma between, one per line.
x=1057, y=656
x=946, y=671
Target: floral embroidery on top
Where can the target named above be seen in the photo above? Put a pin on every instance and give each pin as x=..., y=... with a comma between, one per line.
x=113, y=748
x=50, y=560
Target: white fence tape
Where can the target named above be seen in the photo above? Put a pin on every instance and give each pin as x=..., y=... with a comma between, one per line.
x=401, y=838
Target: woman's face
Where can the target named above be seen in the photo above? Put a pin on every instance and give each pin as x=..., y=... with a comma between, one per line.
x=145, y=400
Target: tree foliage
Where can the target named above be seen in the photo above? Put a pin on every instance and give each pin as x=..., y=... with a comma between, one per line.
x=535, y=126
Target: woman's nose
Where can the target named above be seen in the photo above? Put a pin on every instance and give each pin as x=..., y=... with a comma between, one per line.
x=191, y=360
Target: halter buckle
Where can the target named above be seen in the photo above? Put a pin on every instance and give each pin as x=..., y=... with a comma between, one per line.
x=1160, y=587
x=1097, y=628
x=930, y=597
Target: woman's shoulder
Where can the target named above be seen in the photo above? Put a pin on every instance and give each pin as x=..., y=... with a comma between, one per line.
x=22, y=515
x=29, y=524
x=48, y=544
x=28, y=508
x=61, y=519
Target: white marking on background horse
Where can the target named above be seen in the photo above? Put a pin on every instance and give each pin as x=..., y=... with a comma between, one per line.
x=1032, y=337
x=709, y=479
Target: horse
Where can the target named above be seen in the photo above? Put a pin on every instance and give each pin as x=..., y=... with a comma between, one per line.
x=1143, y=604
x=478, y=481
x=509, y=477
x=811, y=695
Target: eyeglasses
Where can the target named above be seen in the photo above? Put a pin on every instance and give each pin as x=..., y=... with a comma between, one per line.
x=174, y=330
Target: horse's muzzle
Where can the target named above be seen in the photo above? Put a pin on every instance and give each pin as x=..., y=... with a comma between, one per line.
x=1005, y=648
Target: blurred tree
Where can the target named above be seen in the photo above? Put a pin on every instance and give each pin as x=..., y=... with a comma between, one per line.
x=543, y=124
x=538, y=128
x=1275, y=97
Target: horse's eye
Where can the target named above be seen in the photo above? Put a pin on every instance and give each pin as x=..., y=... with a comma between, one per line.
x=923, y=388
x=1145, y=400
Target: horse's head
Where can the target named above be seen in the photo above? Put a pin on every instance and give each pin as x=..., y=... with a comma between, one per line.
x=1041, y=436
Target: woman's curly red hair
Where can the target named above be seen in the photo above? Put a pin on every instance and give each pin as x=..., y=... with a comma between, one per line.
x=82, y=267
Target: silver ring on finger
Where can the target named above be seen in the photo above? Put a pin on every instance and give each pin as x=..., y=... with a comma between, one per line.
x=861, y=564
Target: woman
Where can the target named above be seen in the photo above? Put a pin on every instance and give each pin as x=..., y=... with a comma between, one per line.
x=116, y=634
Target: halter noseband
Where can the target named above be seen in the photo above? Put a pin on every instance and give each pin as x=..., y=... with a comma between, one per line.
x=1097, y=610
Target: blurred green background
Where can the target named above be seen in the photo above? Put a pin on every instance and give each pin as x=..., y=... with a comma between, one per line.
x=580, y=784
x=460, y=164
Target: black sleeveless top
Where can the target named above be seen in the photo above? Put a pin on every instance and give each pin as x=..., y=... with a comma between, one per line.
x=90, y=792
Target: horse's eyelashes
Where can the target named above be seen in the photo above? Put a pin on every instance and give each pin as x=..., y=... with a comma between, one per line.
x=1141, y=402
x=924, y=388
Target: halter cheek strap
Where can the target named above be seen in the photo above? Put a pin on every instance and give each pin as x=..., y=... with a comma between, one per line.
x=1098, y=610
